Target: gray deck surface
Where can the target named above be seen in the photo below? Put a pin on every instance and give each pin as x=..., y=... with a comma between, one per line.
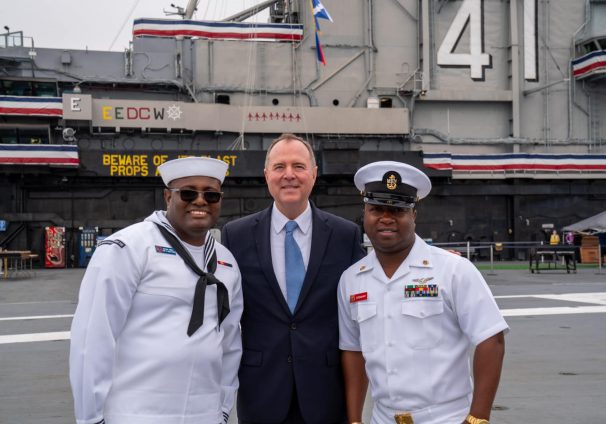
x=554, y=372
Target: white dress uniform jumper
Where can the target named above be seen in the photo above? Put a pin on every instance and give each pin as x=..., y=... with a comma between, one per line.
x=131, y=359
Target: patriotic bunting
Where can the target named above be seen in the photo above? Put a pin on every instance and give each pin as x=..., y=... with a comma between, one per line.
x=31, y=106
x=39, y=154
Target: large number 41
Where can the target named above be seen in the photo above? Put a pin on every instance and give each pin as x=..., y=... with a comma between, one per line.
x=470, y=14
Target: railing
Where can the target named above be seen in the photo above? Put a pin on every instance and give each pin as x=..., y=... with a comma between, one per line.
x=16, y=39
x=12, y=235
x=470, y=249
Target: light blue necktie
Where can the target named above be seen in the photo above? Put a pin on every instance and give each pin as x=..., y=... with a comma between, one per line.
x=294, y=266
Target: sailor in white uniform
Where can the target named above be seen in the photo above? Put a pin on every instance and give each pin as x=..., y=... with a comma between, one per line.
x=154, y=340
x=411, y=315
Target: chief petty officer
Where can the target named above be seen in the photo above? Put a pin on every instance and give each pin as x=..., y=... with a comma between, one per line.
x=156, y=338
x=410, y=314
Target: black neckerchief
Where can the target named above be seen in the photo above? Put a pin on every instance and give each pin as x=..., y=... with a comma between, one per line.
x=206, y=278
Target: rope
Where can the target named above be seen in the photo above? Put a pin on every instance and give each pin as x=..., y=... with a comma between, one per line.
x=126, y=20
x=248, y=88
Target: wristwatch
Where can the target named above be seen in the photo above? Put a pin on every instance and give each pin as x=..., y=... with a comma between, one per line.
x=473, y=420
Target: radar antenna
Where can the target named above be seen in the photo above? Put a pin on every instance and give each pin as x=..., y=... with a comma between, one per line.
x=186, y=12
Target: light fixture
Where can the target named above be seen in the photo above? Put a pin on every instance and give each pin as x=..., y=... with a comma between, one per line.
x=69, y=134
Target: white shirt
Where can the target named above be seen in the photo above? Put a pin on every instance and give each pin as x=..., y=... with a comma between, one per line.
x=417, y=349
x=131, y=360
x=277, y=235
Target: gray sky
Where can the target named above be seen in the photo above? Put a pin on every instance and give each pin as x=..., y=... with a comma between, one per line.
x=78, y=24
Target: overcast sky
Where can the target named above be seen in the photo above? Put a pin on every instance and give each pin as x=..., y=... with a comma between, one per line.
x=101, y=24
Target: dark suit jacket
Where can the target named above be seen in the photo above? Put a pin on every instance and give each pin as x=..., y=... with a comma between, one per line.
x=282, y=349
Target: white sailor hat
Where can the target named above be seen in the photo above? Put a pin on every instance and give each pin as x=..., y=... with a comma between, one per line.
x=192, y=167
x=392, y=184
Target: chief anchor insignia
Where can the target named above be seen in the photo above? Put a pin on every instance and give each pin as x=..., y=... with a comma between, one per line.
x=403, y=418
x=392, y=182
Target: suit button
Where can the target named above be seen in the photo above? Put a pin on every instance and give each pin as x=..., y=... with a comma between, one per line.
x=293, y=326
x=290, y=359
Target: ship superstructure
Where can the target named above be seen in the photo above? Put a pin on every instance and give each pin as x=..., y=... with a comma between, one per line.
x=502, y=103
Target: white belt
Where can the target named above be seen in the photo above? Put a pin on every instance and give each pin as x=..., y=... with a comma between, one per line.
x=453, y=412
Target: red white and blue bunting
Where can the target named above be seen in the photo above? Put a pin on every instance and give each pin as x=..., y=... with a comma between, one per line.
x=518, y=165
x=31, y=106
x=589, y=65
x=217, y=30
x=39, y=154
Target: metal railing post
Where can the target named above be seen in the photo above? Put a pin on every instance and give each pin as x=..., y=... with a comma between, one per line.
x=491, y=261
x=468, y=250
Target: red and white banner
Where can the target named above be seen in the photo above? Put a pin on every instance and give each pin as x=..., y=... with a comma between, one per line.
x=591, y=64
x=217, y=30
x=39, y=154
x=31, y=106
x=518, y=165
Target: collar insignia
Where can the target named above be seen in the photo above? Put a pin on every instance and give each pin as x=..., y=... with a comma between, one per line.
x=363, y=268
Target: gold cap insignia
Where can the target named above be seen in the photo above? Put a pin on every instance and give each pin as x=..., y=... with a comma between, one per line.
x=392, y=182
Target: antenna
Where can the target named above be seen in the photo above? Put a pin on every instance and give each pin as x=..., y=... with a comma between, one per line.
x=179, y=11
x=185, y=12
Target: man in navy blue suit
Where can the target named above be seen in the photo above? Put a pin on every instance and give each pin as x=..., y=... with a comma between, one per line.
x=291, y=256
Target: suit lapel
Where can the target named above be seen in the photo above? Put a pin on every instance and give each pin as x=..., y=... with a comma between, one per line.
x=263, y=243
x=319, y=240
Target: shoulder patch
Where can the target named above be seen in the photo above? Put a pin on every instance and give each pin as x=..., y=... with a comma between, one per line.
x=117, y=242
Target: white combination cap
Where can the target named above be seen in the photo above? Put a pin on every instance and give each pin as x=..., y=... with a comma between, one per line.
x=392, y=183
x=192, y=167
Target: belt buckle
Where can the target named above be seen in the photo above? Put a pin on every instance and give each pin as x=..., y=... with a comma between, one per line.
x=403, y=418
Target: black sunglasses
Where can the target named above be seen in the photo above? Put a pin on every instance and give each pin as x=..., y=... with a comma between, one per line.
x=189, y=195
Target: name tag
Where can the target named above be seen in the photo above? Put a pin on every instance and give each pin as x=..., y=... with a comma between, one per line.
x=358, y=297
x=166, y=250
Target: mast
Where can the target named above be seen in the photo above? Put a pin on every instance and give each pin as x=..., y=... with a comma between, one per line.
x=190, y=9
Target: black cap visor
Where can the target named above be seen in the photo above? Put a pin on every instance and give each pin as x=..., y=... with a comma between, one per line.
x=390, y=199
